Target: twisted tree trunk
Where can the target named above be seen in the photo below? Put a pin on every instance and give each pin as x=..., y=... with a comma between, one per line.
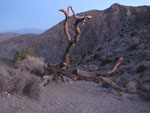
x=56, y=72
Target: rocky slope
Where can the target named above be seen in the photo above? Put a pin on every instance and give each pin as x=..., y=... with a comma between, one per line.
x=115, y=29
x=6, y=36
x=25, y=31
x=112, y=33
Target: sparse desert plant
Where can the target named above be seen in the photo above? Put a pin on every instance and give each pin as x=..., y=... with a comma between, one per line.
x=141, y=69
x=83, y=61
x=19, y=55
x=106, y=61
x=101, y=68
x=83, y=55
x=32, y=64
x=96, y=56
x=26, y=59
x=122, y=35
x=19, y=81
x=73, y=61
x=132, y=47
x=99, y=49
x=133, y=34
x=89, y=52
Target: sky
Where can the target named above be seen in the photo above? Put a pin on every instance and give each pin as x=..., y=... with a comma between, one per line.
x=43, y=14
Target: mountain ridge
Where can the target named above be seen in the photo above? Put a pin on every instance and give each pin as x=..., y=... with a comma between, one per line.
x=6, y=36
x=25, y=31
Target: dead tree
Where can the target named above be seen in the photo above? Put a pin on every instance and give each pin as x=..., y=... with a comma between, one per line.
x=56, y=72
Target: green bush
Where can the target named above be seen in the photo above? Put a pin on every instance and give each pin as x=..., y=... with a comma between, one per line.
x=73, y=61
x=106, y=61
x=96, y=56
x=133, y=34
x=83, y=61
x=89, y=52
x=141, y=69
x=19, y=55
x=132, y=47
x=99, y=49
x=83, y=55
x=122, y=35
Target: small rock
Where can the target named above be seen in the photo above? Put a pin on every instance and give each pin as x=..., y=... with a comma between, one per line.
x=132, y=85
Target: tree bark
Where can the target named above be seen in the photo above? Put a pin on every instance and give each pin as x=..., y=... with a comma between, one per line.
x=72, y=43
x=56, y=72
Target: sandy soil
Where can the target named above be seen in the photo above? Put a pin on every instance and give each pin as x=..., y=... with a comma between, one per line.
x=74, y=97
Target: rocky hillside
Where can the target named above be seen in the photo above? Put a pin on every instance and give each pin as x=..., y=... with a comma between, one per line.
x=25, y=31
x=117, y=31
x=6, y=36
x=112, y=33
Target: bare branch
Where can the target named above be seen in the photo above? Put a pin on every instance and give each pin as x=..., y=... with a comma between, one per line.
x=113, y=69
x=57, y=71
x=66, y=13
x=115, y=86
x=65, y=60
x=77, y=17
x=82, y=75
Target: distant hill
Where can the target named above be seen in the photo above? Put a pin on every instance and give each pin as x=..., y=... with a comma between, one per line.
x=6, y=36
x=25, y=31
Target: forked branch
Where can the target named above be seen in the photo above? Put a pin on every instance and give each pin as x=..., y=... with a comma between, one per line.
x=58, y=71
x=72, y=42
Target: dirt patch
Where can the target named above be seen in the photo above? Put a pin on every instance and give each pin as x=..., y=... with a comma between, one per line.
x=74, y=97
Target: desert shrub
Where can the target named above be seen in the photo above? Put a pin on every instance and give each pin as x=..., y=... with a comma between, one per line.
x=99, y=49
x=122, y=35
x=19, y=55
x=96, y=56
x=141, y=69
x=88, y=60
x=101, y=68
x=109, y=40
x=73, y=61
x=106, y=61
x=19, y=82
x=83, y=61
x=83, y=55
x=89, y=52
x=146, y=81
x=132, y=47
x=139, y=85
x=32, y=64
x=133, y=34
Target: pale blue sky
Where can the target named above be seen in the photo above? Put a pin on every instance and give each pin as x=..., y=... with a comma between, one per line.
x=43, y=14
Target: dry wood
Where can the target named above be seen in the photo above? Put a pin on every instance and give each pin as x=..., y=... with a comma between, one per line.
x=56, y=72
x=72, y=43
x=115, y=86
